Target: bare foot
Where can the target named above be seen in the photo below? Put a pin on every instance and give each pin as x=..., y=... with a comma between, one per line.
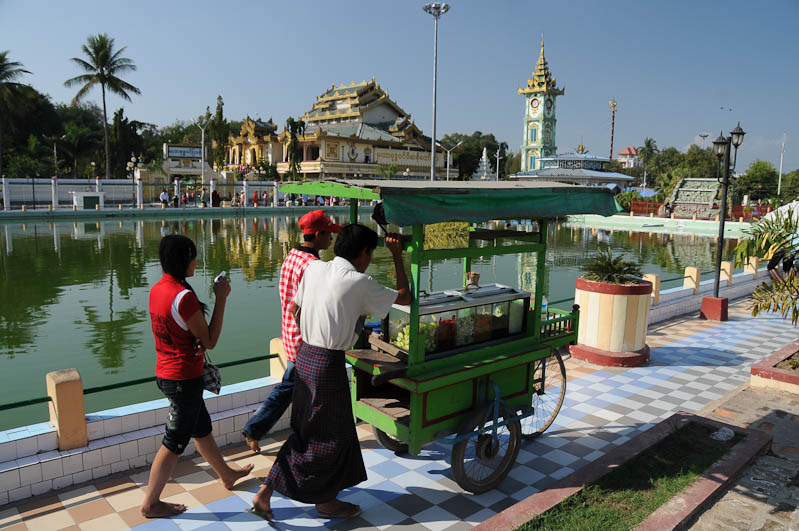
x=236, y=475
x=337, y=509
x=163, y=510
x=252, y=443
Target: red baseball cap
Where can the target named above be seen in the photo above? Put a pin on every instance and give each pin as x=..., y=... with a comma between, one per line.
x=316, y=221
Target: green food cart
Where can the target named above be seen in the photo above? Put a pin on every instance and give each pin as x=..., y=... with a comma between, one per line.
x=477, y=367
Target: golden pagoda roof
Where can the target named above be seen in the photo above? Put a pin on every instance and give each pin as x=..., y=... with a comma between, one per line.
x=350, y=102
x=542, y=80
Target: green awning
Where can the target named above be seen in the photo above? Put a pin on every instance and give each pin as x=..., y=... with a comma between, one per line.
x=411, y=202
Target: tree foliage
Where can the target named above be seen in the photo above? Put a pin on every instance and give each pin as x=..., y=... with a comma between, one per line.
x=774, y=239
x=625, y=199
x=125, y=141
x=10, y=72
x=759, y=181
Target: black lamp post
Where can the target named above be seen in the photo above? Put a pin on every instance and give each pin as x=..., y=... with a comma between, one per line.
x=722, y=147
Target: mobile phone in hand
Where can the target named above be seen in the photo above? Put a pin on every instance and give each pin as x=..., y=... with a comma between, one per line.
x=220, y=277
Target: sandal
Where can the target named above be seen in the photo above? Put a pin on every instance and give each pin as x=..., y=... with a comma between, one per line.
x=267, y=514
x=345, y=510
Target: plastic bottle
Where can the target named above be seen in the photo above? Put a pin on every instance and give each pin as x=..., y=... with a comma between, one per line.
x=544, y=304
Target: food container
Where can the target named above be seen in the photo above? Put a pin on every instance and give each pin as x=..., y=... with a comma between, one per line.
x=499, y=320
x=453, y=320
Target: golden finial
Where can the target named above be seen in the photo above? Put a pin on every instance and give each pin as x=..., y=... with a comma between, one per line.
x=613, y=103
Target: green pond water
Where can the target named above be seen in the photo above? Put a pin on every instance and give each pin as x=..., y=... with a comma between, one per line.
x=76, y=294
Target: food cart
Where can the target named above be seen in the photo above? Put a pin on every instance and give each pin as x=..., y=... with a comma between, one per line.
x=477, y=367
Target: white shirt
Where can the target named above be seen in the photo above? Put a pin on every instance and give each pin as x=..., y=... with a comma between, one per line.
x=333, y=295
x=164, y=196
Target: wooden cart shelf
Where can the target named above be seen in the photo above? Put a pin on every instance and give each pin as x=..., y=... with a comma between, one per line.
x=398, y=409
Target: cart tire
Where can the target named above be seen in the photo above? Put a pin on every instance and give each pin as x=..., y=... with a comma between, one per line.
x=548, y=395
x=474, y=456
x=388, y=442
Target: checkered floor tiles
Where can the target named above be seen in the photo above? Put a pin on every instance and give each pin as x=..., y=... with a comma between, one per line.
x=693, y=363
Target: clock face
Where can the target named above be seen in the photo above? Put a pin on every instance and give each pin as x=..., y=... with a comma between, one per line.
x=535, y=103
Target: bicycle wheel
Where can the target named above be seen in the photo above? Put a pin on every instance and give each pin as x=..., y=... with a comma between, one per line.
x=549, y=389
x=482, y=461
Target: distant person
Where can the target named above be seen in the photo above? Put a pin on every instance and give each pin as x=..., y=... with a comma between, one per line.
x=175, y=200
x=164, y=197
x=316, y=234
x=181, y=337
x=204, y=197
x=184, y=199
x=668, y=209
x=265, y=198
x=215, y=199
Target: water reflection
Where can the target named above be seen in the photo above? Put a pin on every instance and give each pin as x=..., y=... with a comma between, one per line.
x=75, y=294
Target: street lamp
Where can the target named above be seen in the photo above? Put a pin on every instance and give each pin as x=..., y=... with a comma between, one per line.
x=202, y=125
x=436, y=9
x=722, y=148
x=131, y=165
x=449, y=151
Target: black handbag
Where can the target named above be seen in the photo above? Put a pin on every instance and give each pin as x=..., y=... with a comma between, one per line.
x=212, y=380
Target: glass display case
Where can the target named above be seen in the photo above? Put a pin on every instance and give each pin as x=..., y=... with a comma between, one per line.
x=453, y=320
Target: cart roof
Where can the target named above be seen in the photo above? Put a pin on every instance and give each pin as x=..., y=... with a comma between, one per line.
x=411, y=202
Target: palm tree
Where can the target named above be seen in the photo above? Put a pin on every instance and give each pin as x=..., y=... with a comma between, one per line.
x=776, y=240
x=103, y=65
x=9, y=72
x=646, y=153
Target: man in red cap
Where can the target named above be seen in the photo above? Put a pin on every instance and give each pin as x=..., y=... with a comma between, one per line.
x=317, y=228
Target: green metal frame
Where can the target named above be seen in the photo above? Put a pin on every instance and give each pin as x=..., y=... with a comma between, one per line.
x=436, y=386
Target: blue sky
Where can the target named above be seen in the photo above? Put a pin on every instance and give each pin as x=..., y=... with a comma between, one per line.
x=671, y=66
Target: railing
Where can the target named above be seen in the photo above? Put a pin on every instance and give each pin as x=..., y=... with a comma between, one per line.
x=645, y=207
x=137, y=381
x=750, y=212
x=561, y=325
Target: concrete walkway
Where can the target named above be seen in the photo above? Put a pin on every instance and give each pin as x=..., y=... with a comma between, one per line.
x=695, y=364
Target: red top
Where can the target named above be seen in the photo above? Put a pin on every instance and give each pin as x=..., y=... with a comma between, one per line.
x=291, y=273
x=171, y=306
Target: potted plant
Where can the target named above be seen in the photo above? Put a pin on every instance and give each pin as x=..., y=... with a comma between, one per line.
x=614, y=312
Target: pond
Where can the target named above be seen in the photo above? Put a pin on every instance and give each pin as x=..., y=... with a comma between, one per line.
x=75, y=294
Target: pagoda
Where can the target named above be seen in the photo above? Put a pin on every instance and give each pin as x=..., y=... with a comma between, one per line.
x=538, y=139
x=483, y=172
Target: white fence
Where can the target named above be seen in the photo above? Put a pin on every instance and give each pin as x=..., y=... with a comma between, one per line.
x=40, y=191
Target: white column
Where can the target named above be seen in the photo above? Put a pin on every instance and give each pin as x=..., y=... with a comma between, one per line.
x=246, y=194
x=139, y=193
x=98, y=186
x=274, y=195
x=177, y=190
x=212, y=189
x=54, y=191
x=6, y=199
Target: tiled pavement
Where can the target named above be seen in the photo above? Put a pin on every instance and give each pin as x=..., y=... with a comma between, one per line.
x=693, y=363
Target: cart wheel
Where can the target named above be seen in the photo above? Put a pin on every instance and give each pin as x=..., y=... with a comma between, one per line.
x=549, y=389
x=388, y=442
x=481, y=462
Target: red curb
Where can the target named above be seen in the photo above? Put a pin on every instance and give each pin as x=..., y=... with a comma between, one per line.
x=644, y=287
x=610, y=359
x=682, y=506
x=767, y=368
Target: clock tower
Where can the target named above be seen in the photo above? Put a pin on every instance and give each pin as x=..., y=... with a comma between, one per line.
x=538, y=139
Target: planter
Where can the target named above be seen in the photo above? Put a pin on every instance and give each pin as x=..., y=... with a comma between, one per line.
x=765, y=374
x=613, y=323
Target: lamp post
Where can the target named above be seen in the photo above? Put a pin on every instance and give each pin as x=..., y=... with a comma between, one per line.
x=449, y=151
x=722, y=146
x=436, y=9
x=92, y=176
x=131, y=164
x=498, y=159
x=202, y=125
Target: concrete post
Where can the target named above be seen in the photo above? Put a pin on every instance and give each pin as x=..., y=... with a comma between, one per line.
x=139, y=193
x=655, y=280
x=54, y=191
x=751, y=266
x=98, y=185
x=691, y=279
x=177, y=189
x=277, y=366
x=6, y=199
x=631, y=213
x=274, y=195
x=212, y=189
x=67, y=412
x=246, y=194
x=726, y=272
